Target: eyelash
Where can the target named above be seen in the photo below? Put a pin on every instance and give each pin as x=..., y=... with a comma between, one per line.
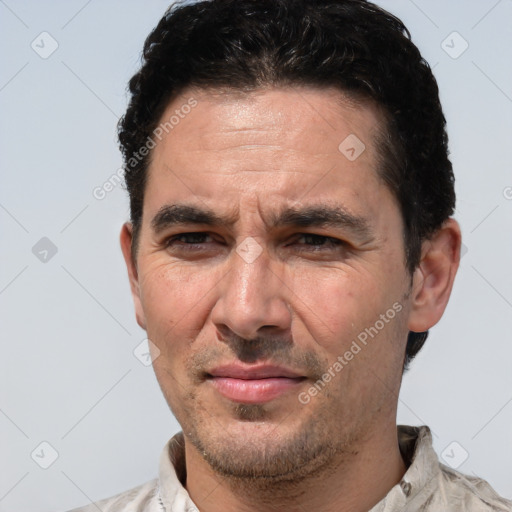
x=331, y=242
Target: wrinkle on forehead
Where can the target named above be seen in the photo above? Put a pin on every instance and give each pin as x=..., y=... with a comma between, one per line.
x=263, y=118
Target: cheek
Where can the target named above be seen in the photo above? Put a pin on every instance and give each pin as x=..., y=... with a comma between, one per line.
x=355, y=317
x=175, y=301
x=337, y=305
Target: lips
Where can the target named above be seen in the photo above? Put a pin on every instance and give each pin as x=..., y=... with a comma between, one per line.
x=253, y=372
x=253, y=384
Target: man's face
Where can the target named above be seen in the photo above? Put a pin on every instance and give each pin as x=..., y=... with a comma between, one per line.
x=248, y=313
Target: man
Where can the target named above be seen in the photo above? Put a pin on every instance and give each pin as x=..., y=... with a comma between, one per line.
x=290, y=245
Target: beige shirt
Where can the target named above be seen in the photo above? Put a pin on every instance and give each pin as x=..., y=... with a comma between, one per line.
x=427, y=486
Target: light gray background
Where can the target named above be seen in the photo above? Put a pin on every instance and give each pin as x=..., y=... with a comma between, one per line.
x=68, y=373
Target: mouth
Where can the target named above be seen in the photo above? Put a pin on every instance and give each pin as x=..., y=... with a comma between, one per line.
x=253, y=384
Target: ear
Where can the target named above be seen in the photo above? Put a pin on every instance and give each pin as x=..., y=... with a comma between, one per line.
x=131, y=265
x=433, y=278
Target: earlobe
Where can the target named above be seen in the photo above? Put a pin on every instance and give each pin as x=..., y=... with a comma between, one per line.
x=433, y=278
x=131, y=266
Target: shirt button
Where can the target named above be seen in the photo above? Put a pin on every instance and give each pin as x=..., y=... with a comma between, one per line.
x=406, y=488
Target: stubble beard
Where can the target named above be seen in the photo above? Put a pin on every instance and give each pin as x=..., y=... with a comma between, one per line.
x=275, y=462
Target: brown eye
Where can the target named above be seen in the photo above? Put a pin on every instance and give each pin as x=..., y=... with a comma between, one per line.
x=188, y=240
x=319, y=242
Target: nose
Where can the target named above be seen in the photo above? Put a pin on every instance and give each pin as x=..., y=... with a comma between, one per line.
x=253, y=297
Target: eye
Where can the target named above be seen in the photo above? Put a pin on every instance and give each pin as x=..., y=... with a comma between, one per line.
x=196, y=242
x=319, y=242
x=188, y=241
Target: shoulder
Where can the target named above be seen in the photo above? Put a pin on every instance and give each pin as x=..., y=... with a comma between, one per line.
x=143, y=498
x=469, y=493
x=432, y=486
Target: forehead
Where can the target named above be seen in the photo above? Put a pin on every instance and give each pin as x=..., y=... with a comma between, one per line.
x=292, y=113
x=274, y=145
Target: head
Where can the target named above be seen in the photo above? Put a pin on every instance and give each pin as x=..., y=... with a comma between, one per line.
x=303, y=145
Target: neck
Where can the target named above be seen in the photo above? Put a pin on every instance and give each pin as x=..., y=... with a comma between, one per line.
x=352, y=483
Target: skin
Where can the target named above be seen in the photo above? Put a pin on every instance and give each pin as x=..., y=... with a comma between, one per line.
x=300, y=303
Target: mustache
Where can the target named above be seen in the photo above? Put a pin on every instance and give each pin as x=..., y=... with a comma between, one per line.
x=275, y=349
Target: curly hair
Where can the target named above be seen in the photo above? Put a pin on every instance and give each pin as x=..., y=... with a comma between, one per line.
x=352, y=45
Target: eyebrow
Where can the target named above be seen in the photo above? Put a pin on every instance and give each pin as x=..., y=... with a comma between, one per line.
x=322, y=215
x=308, y=216
x=178, y=214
